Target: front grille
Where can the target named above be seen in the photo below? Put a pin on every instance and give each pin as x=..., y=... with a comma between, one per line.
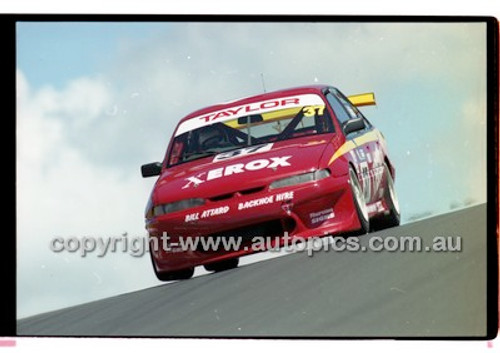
x=221, y=197
x=231, y=194
x=252, y=190
x=272, y=228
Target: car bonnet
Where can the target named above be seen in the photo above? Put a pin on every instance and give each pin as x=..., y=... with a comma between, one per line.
x=240, y=170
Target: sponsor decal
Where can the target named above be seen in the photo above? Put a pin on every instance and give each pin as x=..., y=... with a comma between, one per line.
x=321, y=216
x=206, y=214
x=364, y=171
x=257, y=202
x=252, y=108
x=266, y=200
x=378, y=166
x=257, y=164
x=243, y=152
x=284, y=196
x=376, y=207
x=369, y=158
x=361, y=154
x=353, y=156
x=249, y=109
x=194, y=180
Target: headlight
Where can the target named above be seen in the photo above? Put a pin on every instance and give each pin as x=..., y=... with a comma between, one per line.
x=300, y=178
x=177, y=206
x=149, y=209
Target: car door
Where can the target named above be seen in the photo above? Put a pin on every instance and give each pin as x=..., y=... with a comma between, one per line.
x=366, y=154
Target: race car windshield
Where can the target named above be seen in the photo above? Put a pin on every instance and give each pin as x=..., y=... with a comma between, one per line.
x=249, y=130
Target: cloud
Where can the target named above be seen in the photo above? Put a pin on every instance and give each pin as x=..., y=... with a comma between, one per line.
x=153, y=82
x=60, y=193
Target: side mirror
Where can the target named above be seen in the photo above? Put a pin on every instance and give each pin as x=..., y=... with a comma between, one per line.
x=353, y=125
x=151, y=169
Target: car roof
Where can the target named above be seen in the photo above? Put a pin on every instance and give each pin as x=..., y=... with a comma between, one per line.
x=256, y=98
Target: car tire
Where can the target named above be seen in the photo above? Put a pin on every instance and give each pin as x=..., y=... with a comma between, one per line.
x=171, y=275
x=222, y=265
x=359, y=203
x=393, y=218
x=175, y=275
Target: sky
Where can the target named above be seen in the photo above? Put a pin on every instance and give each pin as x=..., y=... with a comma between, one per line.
x=97, y=100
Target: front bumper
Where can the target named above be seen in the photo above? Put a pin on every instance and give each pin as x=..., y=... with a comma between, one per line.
x=314, y=208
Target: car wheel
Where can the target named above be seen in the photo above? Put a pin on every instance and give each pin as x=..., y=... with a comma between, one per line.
x=171, y=275
x=392, y=219
x=359, y=202
x=175, y=275
x=222, y=265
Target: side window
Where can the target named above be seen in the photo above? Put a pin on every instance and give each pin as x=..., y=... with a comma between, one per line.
x=338, y=108
x=351, y=110
x=336, y=97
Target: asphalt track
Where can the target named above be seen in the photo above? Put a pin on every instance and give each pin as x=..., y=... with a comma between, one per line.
x=332, y=294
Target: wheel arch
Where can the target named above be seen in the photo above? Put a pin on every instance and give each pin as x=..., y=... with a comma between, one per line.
x=391, y=167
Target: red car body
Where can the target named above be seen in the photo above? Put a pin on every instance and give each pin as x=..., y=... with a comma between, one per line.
x=327, y=176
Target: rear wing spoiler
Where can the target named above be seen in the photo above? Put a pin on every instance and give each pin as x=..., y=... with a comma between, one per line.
x=363, y=99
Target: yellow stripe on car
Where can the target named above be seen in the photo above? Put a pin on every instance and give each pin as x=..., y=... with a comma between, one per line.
x=371, y=136
x=346, y=147
x=368, y=137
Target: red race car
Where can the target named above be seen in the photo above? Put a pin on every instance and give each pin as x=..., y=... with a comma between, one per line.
x=299, y=162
